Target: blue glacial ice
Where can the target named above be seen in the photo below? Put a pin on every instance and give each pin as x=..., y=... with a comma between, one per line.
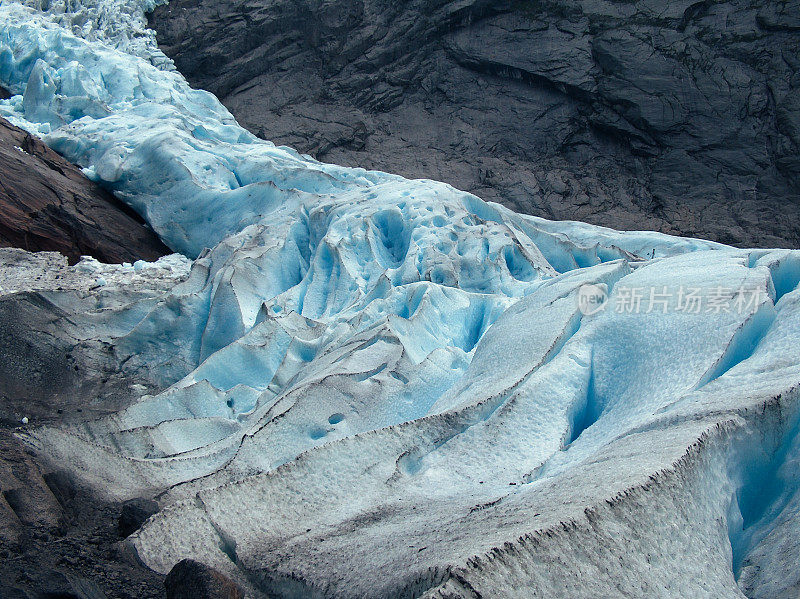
x=375, y=387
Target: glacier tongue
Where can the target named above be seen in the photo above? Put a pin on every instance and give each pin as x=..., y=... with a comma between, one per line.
x=370, y=386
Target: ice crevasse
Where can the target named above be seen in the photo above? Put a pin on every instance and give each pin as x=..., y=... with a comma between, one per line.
x=374, y=387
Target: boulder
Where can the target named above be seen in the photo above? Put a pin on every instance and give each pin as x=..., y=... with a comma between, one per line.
x=189, y=579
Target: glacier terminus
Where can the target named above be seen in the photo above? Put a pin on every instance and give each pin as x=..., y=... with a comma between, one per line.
x=350, y=384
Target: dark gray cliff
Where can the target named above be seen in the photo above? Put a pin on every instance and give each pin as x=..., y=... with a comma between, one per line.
x=680, y=116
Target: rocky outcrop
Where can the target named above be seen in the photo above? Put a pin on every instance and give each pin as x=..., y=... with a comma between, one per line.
x=47, y=203
x=681, y=116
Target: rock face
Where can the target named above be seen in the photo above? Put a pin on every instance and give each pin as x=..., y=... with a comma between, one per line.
x=46, y=203
x=682, y=117
x=192, y=580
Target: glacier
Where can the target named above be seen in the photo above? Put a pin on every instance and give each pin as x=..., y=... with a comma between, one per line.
x=367, y=386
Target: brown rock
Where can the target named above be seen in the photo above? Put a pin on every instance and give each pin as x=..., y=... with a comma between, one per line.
x=47, y=203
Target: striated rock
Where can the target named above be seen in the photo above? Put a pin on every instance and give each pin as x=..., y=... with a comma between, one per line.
x=388, y=388
x=189, y=579
x=46, y=203
x=681, y=117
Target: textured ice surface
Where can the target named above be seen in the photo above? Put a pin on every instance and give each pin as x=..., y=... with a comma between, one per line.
x=370, y=386
x=22, y=271
x=119, y=22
